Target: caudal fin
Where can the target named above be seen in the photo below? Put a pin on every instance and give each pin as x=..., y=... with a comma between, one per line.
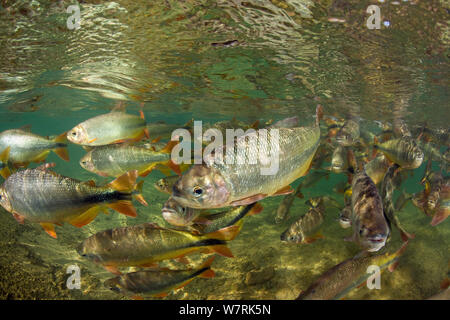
x=138, y=193
x=208, y=273
x=62, y=152
x=4, y=157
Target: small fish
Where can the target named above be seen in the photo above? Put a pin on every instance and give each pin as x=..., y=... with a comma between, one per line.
x=336, y=282
x=233, y=216
x=114, y=160
x=146, y=244
x=166, y=184
x=443, y=210
x=370, y=228
x=376, y=168
x=345, y=215
x=301, y=231
x=40, y=195
x=348, y=135
x=339, y=160
x=177, y=215
x=225, y=44
x=26, y=147
x=114, y=127
x=403, y=151
x=285, y=205
x=157, y=282
x=386, y=192
x=217, y=185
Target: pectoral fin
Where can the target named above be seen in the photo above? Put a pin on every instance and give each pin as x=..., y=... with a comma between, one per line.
x=249, y=200
x=49, y=228
x=284, y=191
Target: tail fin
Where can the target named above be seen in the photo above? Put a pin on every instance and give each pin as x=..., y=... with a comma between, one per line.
x=319, y=114
x=208, y=273
x=62, y=152
x=4, y=157
x=138, y=193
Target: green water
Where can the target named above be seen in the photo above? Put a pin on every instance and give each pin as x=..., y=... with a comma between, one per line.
x=158, y=55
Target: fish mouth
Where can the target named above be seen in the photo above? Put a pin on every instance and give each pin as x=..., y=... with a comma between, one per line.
x=376, y=242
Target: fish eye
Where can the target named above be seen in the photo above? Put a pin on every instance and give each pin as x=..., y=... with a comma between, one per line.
x=198, y=191
x=74, y=133
x=83, y=162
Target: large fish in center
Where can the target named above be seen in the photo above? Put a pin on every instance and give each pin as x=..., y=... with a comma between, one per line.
x=217, y=185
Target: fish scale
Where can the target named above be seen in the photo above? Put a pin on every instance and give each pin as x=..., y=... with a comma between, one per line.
x=297, y=147
x=35, y=202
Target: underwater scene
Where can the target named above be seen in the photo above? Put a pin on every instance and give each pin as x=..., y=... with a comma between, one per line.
x=224, y=150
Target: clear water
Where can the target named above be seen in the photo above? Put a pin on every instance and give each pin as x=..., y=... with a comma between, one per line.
x=290, y=55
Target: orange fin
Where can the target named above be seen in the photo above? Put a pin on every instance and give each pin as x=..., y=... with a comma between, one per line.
x=113, y=270
x=91, y=141
x=175, y=167
x=226, y=234
x=445, y=284
x=170, y=145
x=125, y=182
x=5, y=172
x=49, y=228
x=439, y=216
x=4, y=156
x=62, y=153
x=141, y=114
x=149, y=265
x=255, y=125
x=300, y=195
x=222, y=249
x=248, y=200
x=125, y=207
x=257, y=208
x=207, y=263
x=139, y=197
x=20, y=219
x=207, y=274
x=156, y=140
x=90, y=183
x=85, y=218
x=136, y=297
x=161, y=295
x=284, y=191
